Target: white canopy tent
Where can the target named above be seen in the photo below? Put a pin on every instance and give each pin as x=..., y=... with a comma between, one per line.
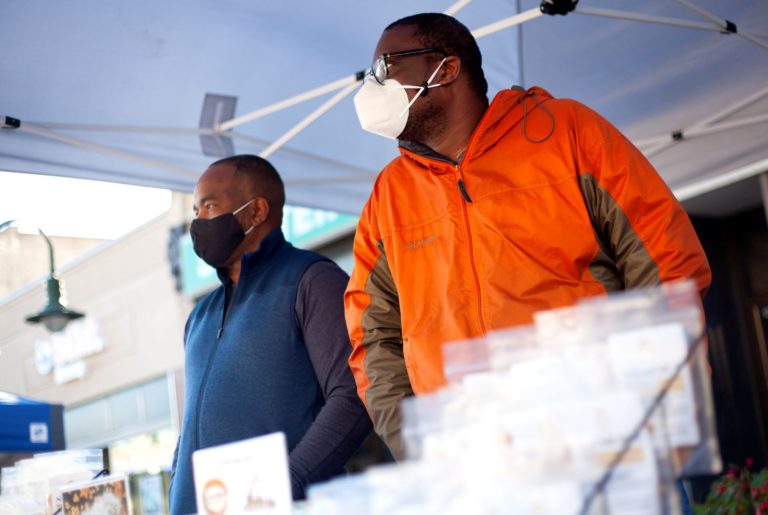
x=115, y=90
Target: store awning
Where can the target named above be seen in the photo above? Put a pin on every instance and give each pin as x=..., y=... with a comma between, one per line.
x=28, y=425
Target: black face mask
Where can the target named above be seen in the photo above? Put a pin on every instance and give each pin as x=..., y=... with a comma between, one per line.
x=215, y=240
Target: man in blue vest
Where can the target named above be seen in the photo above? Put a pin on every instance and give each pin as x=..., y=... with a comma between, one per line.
x=267, y=350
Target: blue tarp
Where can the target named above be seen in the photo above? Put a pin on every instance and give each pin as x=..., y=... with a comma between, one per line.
x=28, y=425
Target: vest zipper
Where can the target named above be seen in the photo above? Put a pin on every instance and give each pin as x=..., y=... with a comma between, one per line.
x=214, y=348
x=472, y=266
x=229, y=301
x=204, y=382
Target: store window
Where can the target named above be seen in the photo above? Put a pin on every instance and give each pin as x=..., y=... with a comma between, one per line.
x=143, y=409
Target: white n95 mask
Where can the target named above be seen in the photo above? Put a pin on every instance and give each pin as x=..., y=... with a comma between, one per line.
x=383, y=108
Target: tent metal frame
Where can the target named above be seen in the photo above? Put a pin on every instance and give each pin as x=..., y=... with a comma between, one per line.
x=345, y=86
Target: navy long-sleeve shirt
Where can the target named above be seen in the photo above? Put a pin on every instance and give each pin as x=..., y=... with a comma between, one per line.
x=320, y=314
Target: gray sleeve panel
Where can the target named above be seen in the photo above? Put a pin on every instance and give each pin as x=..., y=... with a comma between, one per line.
x=623, y=260
x=384, y=361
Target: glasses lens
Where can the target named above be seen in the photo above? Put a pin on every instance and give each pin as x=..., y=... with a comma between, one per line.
x=379, y=69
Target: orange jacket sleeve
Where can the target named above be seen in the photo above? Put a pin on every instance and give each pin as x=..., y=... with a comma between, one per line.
x=372, y=312
x=636, y=216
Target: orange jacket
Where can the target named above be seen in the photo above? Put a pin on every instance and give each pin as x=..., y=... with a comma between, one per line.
x=526, y=221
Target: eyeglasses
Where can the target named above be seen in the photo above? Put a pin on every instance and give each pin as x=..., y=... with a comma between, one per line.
x=380, y=68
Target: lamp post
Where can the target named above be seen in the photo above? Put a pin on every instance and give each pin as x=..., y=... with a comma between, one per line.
x=54, y=315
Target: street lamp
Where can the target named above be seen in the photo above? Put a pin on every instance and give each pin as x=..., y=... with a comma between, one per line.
x=54, y=315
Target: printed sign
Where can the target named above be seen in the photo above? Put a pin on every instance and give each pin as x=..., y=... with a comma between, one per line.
x=250, y=476
x=108, y=495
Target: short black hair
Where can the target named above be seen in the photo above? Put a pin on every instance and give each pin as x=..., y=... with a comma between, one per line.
x=262, y=176
x=437, y=30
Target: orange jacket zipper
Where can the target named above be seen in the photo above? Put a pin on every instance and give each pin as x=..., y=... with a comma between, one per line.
x=473, y=267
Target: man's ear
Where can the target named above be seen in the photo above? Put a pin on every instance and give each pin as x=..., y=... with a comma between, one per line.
x=450, y=70
x=261, y=211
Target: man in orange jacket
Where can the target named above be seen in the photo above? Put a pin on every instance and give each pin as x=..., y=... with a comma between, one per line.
x=489, y=214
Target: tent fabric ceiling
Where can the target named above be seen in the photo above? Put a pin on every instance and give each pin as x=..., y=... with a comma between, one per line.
x=150, y=64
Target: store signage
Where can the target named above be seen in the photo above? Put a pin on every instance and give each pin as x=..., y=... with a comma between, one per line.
x=107, y=495
x=242, y=477
x=303, y=227
x=69, y=371
x=64, y=353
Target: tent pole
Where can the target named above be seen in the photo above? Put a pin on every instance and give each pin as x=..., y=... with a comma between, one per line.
x=659, y=20
x=520, y=53
x=452, y=10
x=734, y=108
x=759, y=95
x=702, y=12
x=303, y=97
x=720, y=181
x=303, y=124
x=706, y=14
x=507, y=22
x=716, y=127
x=719, y=26
x=753, y=39
x=764, y=192
x=77, y=142
x=724, y=126
x=138, y=129
x=85, y=127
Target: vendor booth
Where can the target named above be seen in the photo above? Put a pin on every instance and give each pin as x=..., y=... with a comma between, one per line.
x=151, y=93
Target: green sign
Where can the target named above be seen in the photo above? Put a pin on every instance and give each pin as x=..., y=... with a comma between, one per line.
x=303, y=227
x=310, y=228
x=196, y=276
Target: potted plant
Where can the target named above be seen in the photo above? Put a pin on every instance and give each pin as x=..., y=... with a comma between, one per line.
x=738, y=491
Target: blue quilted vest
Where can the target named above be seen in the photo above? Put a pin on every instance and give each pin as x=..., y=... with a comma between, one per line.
x=249, y=374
